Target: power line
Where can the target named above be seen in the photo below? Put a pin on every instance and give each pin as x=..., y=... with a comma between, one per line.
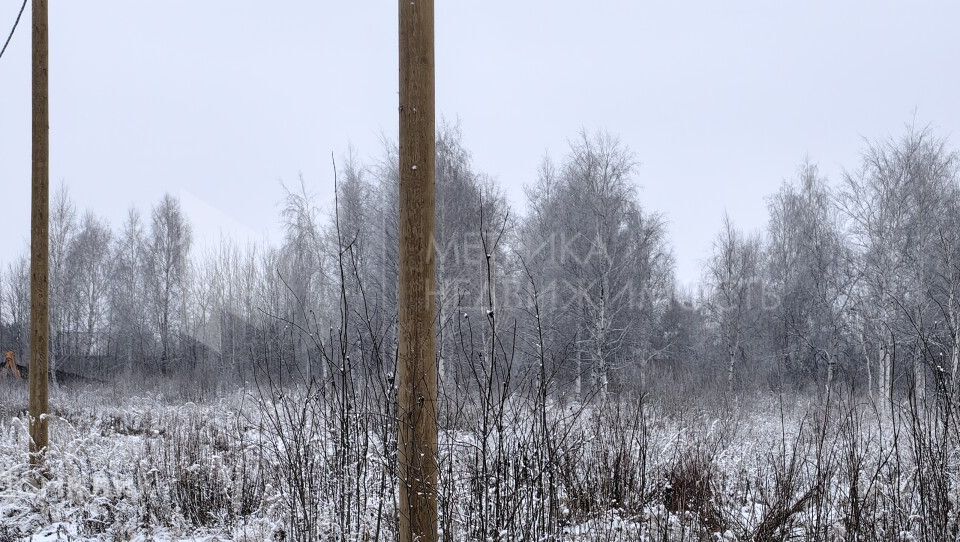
x=14, y=29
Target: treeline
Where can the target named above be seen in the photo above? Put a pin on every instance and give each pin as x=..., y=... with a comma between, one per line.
x=854, y=281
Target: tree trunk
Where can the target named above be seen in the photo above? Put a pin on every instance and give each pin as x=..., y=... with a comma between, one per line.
x=955, y=335
x=417, y=363
x=730, y=366
x=919, y=375
x=883, y=370
x=39, y=243
x=578, y=381
x=955, y=357
x=640, y=356
x=830, y=371
x=891, y=360
x=866, y=360
x=600, y=363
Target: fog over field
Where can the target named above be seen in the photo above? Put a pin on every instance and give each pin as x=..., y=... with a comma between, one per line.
x=677, y=272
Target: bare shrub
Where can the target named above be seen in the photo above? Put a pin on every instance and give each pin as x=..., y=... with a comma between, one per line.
x=201, y=473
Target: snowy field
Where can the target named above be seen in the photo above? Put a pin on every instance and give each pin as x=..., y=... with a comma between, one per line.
x=585, y=393
x=481, y=323
x=154, y=467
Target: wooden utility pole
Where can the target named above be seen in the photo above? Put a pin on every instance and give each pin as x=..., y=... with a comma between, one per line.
x=39, y=242
x=417, y=361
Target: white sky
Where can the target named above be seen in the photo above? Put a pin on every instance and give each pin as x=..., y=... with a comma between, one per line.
x=217, y=101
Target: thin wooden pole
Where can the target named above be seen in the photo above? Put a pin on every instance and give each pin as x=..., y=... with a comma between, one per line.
x=417, y=362
x=39, y=242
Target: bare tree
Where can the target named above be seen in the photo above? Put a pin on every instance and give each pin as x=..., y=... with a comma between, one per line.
x=733, y=276
x=897, y=205
x=302, y=267
x=808, y=265
x=17, y=300
x=167, y=267
x=606, y=261
x=127, y=319
x=63, y=226
x=89, y=264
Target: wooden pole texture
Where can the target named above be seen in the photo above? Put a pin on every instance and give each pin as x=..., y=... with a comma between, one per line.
x=39, y=242
x=417, y=362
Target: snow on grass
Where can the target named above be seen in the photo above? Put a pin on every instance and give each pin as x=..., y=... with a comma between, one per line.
x=149, y=468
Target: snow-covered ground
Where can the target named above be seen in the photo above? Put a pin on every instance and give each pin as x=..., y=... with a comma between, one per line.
x=153, y=468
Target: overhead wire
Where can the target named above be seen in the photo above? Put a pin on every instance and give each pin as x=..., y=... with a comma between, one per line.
x=14, y=29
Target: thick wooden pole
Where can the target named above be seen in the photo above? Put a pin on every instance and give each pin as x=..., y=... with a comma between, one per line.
x=417, y=362
x=39, y=242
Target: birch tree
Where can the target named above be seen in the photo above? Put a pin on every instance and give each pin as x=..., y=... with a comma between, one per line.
x=808, y=265
x=733, y=276
x=128, y=287
x=897, y=205
x=88, y=281
x=606, y=262
x=167, y=265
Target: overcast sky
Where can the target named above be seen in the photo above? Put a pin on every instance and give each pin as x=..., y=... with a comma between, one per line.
x=217, y=101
